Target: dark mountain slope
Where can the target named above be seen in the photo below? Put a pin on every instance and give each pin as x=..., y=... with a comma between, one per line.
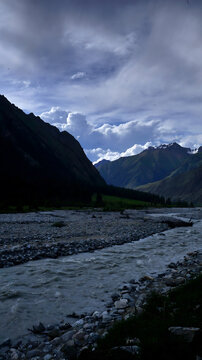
x=38, y=161
x=184, y=184
x=150, y=165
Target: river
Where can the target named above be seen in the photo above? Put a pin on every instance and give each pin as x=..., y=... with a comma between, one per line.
x=49, y=290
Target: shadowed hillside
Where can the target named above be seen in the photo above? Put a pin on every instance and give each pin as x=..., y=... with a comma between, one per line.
x=38, y=162
x=184, y=184
x=150, y=165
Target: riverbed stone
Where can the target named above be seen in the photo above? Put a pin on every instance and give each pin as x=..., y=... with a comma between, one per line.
x=79, y=335
x=15, y=354
x=121, y=304
x=48, y=357
x=78, y=323
x=128, y=297
x=174, y=282
x=88, y=327
x=67, y=335
x=56, y=341
x=33, y=353
x=187, y=333
x=96, y=315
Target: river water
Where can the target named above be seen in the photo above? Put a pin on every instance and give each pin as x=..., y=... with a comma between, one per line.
x=51, y=289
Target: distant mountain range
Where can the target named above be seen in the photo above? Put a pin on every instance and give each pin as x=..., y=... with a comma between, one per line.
x=168, y=170
x=38, y=162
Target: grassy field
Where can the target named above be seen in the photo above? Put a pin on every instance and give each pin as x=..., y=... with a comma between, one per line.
x=114, y=203
x=106, y=202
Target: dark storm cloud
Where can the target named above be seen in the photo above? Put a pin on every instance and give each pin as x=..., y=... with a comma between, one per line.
x=115, y=61
x=56, y=35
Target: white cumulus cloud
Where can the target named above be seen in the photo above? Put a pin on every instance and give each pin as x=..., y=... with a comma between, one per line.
x=99, y=154
x=77, y=125
x=111, y=141
x=55, y=116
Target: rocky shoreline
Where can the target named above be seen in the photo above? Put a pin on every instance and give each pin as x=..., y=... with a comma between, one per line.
x=64, y=341
x=34, y=236
x=67, y=234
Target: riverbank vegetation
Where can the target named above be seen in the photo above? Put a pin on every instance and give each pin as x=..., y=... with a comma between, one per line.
x=109, y=198
x=147, y=334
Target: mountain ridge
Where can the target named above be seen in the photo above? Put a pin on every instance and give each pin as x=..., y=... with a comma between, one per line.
x=185, y=183
x=167, y=170
x=36, y=155
x=148, y=166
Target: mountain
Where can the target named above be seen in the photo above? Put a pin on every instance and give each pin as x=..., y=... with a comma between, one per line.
x=185, y=183
x=149, y=166
x=38, y=162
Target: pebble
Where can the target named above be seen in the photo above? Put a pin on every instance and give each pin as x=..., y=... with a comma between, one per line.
x=48, y=357
x=15, y=354
x=96, y=315
x=78, y=323
x=43, y=240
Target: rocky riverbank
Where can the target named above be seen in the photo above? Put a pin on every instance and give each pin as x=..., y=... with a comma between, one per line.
x=34, y=236
x=65, y=341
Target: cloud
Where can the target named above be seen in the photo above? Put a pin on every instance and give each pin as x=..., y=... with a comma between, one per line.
x=55, y=116
x=111, y=141
x=78, y=75
x=132, y=68
x=77, y=125
x=107, y=136
x=191, y=141
x=99, y=154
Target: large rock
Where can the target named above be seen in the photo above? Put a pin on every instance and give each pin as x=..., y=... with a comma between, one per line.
x=187, y=333
x=121, y=304
x=67, y=336
x=174, y=282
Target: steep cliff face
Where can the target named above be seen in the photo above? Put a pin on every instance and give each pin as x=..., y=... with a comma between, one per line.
x=38, y=160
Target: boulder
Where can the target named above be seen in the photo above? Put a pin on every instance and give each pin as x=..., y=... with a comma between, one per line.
x=121, y=304
x=174, y=282
x=67, y=336
x=187, y=333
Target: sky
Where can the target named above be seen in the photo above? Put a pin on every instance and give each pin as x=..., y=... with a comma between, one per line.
x=119, y=75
